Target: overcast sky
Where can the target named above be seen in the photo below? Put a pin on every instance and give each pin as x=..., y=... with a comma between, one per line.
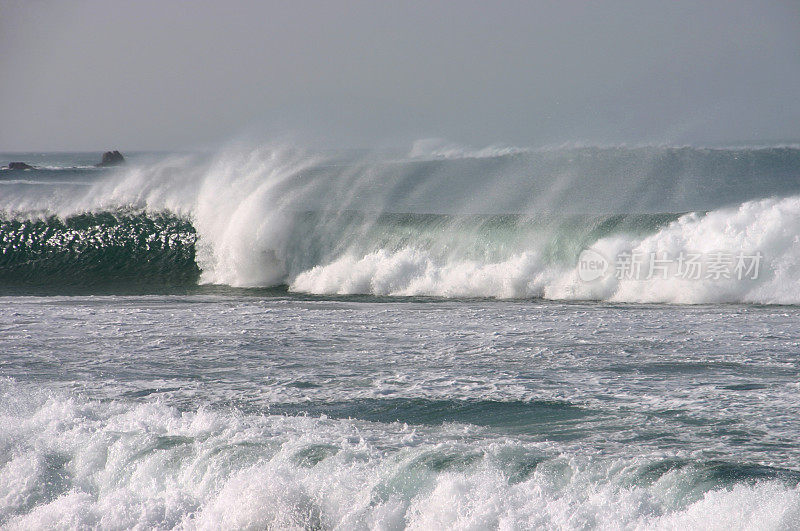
x=156, y=74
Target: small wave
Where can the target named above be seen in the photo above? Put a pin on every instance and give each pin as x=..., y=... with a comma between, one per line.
x=508, y=414
x=66, y=461
x=437, y=148
x=32, y=182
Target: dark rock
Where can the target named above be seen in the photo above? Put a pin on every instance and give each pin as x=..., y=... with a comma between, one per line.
x=112, y=158
x=20, y=166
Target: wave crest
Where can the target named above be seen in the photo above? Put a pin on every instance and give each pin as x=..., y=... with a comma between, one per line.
x=499, y=226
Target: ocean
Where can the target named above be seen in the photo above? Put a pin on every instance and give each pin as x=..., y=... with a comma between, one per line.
x=575, y=337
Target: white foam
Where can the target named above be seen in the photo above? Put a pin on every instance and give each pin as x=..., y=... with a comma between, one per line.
x=66, y=462
x=769, y=227
x=244, y=203
x=411, y=271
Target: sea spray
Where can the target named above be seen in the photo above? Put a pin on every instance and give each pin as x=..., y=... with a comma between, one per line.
x=501, y=223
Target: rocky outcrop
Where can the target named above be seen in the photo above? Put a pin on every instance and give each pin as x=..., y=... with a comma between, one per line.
x=19, y=166
x=112, y=158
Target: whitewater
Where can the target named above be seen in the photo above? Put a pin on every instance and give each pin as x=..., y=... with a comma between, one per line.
x=509, y=224
x=438, y=338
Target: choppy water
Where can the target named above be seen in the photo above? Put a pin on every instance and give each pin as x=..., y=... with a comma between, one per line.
x=391, y=367
x=207, y=410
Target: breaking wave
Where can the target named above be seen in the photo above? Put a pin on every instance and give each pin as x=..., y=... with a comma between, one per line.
x=70, y=462
x=496, y=223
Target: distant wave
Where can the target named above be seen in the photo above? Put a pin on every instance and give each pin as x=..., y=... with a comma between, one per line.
x=36, y=182
x=511, y=226
x=51, y=168
x=437, y=148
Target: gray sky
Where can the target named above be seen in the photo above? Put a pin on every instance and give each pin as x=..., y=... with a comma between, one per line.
x=146, y=74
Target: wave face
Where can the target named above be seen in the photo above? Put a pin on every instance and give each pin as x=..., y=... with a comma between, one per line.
x=493, y=223
x=98, y=249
